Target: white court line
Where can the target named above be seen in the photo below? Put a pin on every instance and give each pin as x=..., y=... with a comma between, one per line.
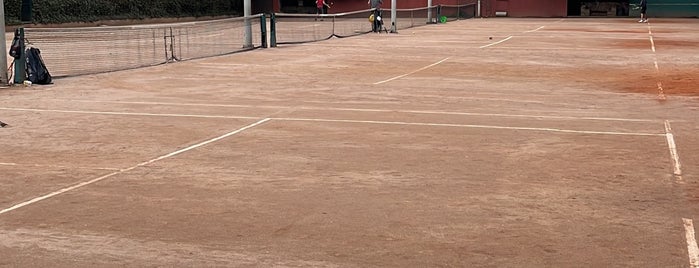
x=469, y=126
x=498, y=42
x=37, y=199
x=343, y=109
x=127, y=113
x=661, y=91
x=673, y=149
x=404, y=75
x=531, y=31
x=55, y=166
x=692, y=248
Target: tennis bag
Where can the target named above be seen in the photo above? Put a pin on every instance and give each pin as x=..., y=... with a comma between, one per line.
x=36, y=69
x=17, y=46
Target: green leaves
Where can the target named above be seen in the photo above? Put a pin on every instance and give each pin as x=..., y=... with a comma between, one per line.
x=67, y=11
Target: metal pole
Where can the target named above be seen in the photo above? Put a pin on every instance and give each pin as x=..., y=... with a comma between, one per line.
x=429, y=11
x=394, y=29
x=478, y=9
x=3, y=47
x=21, y=63
x=247, y=6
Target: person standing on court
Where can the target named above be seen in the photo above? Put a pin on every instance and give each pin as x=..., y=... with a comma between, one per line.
x=376, y=5
x=321, y=5
x=643, y=4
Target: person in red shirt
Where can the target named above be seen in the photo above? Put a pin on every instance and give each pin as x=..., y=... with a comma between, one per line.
x=321, y=5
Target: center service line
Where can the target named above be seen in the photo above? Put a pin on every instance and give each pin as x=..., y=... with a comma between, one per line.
x=673, y=149
x=37, y=199
x=692, y=248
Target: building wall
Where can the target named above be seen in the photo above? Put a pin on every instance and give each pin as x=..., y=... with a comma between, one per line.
x=514, y=8
x=525, y=8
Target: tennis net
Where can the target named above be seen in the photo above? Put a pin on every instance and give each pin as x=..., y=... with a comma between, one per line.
x=90, y=50
x=302, y=28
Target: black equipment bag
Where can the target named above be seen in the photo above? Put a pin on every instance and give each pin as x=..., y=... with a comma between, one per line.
x=36, y=69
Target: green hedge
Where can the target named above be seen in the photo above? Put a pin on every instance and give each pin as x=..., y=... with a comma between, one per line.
x=65, y=11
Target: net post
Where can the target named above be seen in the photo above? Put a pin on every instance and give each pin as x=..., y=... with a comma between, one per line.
x=21, y=63
x=263, y=28
x=429, y=11
x=394, y=28
x=3, y=58
x=478, y=9
x=272, y=30
x=248, y=27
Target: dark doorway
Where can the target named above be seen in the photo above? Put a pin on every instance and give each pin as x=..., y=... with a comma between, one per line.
x=298, y=6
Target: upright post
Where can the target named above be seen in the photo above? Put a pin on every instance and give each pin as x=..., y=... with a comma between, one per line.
x=263, y=27
x=248, y=26
x=478, y=9
x=394, y=29
x=429, y=11
x=272, y=31
x=21, y=63
x=3, y=46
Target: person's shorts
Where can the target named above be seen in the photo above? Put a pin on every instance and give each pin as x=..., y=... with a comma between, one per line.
x=643, y=9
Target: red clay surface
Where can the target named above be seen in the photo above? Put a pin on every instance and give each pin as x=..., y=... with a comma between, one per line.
x=433, y=147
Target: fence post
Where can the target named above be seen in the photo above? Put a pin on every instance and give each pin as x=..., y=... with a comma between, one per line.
x=263, y=27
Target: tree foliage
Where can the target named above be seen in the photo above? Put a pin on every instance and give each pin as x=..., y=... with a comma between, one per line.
x=66, y=11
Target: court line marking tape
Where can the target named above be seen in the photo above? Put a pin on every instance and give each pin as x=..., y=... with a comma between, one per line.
x=531, y=31
x=661, y=91
x=128, y=113
x=692, y=248
x=55, y=166
x=323, y=109
x=469, y=126
x=498, y=42
x=673, y=149
x=162, y=157
x=404, y=75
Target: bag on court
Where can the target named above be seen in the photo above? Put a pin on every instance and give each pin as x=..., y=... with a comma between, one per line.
x=17, y=45
x=36, y=69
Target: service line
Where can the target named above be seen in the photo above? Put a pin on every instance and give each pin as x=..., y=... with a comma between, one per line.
x=455, y=113
x=469, y=126
x=126, y=113
x=55, y=166
x=76, y=186
x=404, y=75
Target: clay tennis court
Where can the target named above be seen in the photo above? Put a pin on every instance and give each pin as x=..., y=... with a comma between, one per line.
x=557, y=143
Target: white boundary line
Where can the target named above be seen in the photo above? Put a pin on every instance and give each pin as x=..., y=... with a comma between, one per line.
x=692, y=248
x=127, y=113
x=661, y=91
x=55, y=166
x=326, y=109
x=37, y=199
x=531, y=31
x=470, y=126
x=498, y=42
x=404, y=75
x=673, y=149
